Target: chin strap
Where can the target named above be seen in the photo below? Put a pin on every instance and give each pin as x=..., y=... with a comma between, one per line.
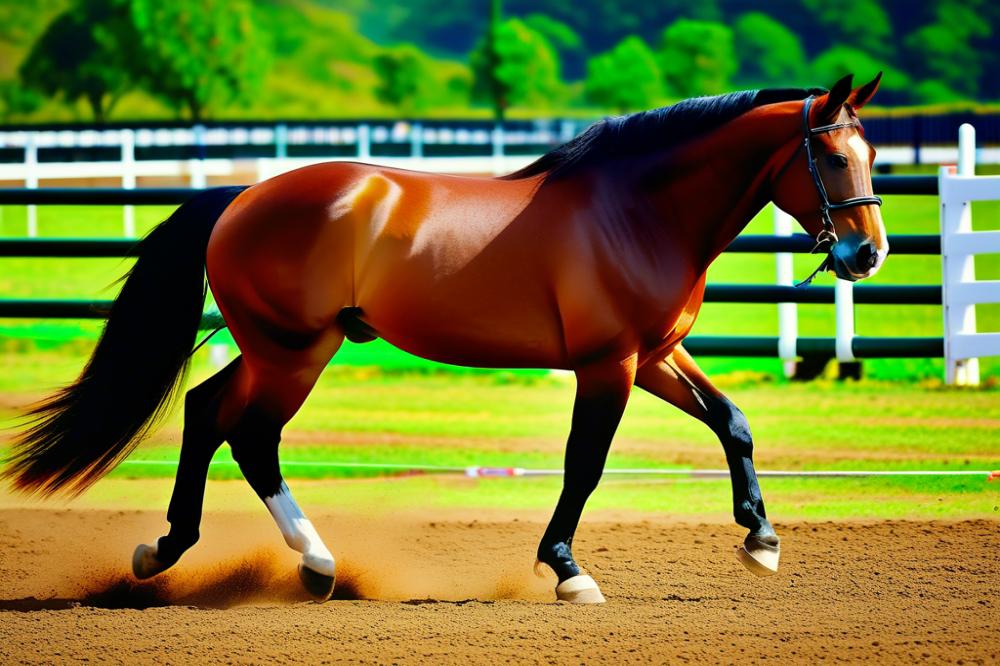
x=824, y=243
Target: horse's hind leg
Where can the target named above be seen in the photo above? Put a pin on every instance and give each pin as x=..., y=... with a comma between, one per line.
x=277, y=383
x=201, y=440
x=679, y=381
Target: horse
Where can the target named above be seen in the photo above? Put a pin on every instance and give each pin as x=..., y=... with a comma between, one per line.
x=592, y=259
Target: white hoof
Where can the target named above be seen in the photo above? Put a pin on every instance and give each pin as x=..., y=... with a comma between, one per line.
x=144, y=562
x=759, y=557
x=579, y=590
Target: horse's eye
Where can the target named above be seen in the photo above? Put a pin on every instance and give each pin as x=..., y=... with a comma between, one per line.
x=837, y=160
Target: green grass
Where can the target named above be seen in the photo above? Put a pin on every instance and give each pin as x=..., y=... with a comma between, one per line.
x=496, y=419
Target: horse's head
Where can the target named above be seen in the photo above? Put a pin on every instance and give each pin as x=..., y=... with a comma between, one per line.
x=826, y=185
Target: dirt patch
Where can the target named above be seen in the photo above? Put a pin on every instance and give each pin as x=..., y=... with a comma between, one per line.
x=415, y=589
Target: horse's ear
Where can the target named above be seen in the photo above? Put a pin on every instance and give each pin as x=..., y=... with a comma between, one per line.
x=834, y=101
x=861, y=96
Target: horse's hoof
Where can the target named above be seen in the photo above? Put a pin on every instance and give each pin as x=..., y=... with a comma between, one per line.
x=144, y=562
x=579, y=589
x=319, y=586
x=760, y=557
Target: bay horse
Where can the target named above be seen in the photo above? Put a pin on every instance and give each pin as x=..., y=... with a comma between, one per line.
x=592, y=259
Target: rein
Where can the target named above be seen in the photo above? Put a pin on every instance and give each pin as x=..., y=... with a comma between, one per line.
x=827, y=237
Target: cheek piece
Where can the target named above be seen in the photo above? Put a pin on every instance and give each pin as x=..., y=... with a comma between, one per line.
x=827, y=237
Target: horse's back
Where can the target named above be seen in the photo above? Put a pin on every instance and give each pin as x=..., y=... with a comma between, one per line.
x=452, y=268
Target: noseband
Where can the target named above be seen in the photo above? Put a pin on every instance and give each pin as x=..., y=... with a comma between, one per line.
x=826, y=238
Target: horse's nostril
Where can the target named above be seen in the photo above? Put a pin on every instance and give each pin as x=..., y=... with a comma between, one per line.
x=867, y=256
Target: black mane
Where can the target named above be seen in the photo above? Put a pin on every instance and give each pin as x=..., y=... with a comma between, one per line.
x=637, y=133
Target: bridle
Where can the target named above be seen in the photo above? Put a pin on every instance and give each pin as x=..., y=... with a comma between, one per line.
x=827, y=237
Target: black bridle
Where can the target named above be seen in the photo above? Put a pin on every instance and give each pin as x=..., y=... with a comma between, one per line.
x=827, y=237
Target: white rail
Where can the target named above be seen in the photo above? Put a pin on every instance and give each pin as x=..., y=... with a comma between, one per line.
x=961, y=292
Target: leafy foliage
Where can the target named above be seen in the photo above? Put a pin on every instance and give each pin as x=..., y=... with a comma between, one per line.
x=526, y=70
x=403, y=73
x=838, y=61
x=768, y=52
x=697, y=57
x=626, y=78
x=199, y=53
x=86, y=52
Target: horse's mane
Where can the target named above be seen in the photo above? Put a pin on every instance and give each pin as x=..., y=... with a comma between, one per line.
x=638, y=133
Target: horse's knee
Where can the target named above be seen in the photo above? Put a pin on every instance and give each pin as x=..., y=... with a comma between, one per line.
x=733, y=429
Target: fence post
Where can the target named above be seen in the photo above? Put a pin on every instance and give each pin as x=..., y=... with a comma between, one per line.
x=364, y=142
x=417, y=141
x=956, y=217
x=497, y=138
x=31, y=179
x=127, y=139
x=843, y=298
x=196, y=166
x=788, y=314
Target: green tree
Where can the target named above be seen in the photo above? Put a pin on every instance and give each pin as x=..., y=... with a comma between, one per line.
x=404, y=77
x=697, y=58
x=863, y=24
x=524, y=68
x=626, y=78
x=85, y=53
x=830, y=65
x=768, y=52
x=198, y=54
x=943, y=51
x=16, y=100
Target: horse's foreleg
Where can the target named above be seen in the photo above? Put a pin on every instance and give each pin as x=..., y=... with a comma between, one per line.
x=601, y=395
x=679, y=381
x=200, y=441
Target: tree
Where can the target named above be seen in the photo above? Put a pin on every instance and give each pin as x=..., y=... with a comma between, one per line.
x=565, y=40
x=768, y=52
x=943, y=51
x=835, y=62
x=697, y=58
x=404, y=76
x=16, y=100
x=86, y=52
x=626, y=78
x=862, y=24
x=520, y=67
x=199, y=53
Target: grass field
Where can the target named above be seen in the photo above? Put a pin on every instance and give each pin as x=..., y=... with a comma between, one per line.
x=504, y=419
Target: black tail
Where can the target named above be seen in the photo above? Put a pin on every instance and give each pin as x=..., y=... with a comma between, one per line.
x=83, y=431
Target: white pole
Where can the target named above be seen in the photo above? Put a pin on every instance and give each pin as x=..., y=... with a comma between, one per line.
x=843, y=298
x=196, y=166
x=31, y=179
x=417, y=141
x=498, y=137
x=788, y=314
x=956, y=217
x=364, y=142
x=128, y=179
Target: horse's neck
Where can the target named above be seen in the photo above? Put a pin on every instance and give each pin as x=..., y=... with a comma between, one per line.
x=710, y=190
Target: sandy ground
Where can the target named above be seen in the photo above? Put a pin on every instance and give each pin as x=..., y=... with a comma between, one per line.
x=460, y=589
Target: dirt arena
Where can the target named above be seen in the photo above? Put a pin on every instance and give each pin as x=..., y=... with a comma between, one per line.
x=461, y=589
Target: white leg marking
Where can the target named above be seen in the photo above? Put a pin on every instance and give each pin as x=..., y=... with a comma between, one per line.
x=299, y=533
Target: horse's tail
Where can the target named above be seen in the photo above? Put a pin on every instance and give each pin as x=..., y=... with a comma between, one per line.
x=83, y=431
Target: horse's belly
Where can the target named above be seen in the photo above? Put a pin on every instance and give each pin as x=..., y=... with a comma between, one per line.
x=465, y=319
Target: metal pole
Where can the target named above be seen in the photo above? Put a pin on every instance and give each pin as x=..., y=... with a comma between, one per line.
x=843, y=298
x=788, y=314
x=31, y=179
x=127, y=137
